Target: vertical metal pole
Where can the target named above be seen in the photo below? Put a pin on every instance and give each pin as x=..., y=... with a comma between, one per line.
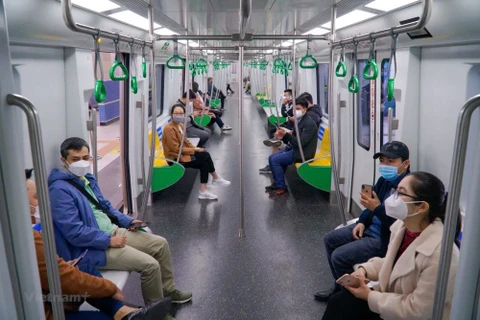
x=95, y=143
x=147, y=189
x=143, y=136
x=38, y=157
x=330, y=120
x=241, y=229
x=390, y=124
x=456, y=179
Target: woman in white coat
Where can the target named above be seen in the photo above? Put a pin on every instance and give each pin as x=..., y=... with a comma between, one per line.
x=408, y=273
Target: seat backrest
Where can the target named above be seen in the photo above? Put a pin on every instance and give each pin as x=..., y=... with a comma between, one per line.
x=158, y=162
x=325, y=141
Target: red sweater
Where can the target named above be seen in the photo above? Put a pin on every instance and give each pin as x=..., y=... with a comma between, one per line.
x=408, y=238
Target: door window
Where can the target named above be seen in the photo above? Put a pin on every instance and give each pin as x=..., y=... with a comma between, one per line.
x=385, y=105
x=363, y=110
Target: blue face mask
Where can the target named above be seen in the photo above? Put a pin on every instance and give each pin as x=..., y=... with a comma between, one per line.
x=388, y=172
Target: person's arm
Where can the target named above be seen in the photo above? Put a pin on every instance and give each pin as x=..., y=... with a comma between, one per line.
x=72, y=280
x=284, y=110
x=66, y=217
x=174, y=142
x=308, y=132
x=416, y=305
x=372, y=268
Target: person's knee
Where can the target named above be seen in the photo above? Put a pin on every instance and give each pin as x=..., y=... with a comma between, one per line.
x=329, y=238
x=149, y=266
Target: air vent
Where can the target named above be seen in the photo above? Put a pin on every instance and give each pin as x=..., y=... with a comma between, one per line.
x=420, y=34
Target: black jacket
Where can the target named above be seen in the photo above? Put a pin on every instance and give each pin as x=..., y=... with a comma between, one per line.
x=308, y=137
x=316, y=113
x=381, y=188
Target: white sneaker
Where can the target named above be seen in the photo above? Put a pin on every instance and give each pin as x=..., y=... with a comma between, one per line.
x=226, y=128
x=207, y=195
x=221, y=182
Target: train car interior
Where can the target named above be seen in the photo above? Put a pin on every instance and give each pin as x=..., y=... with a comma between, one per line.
x=247, y=159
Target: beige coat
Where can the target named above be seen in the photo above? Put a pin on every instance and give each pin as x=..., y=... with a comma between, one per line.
x=171, y=141
x=407, y=290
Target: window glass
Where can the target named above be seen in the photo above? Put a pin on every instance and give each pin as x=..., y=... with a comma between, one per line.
x=363, y=109
x=159, y=74
x=385, y=105
x=322, y=85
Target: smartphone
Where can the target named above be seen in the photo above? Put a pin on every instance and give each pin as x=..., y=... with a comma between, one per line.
x=350, y=281
x=367, y=189
x=76, y=261
x=138, y=225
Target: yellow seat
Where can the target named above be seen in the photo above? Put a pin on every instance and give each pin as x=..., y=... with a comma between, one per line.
x=159, y=156
x=322, y=156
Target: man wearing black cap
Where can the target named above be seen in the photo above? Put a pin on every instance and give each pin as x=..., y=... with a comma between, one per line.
x=369, y=237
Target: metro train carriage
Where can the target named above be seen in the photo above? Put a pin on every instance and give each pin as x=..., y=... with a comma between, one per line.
x=249, y=159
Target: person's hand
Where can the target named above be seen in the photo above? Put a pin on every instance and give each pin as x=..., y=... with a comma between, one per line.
x=358, y=231
x=211, y=114
x=72, y=262
x=361, y=292
x=360, y=273
x=369, y=203
x=196, y=113
x=200, y=149
x=118, y=241
x=118, y=295
x=292, y=119
x=134, y=222
x=280, y=133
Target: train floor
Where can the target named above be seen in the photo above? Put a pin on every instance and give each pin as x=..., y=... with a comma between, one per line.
x=274, y=271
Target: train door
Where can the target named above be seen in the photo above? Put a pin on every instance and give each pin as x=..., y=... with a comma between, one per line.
x=365, y=129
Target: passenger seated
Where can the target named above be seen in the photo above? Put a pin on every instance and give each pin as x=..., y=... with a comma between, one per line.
x=215, y=114
x=408, y=273
x=213, y=93
x=286, y=111
x=370, y=235
x=193, y=129
x=280, y=160
x=100, y=293
x=83, y=218
x=314, y=111
x=191, y=156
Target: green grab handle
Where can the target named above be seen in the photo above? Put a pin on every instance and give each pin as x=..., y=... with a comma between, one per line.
x=341, y=70
x=390, y=89
x=261, y=100
x=367, y=71
x=134, y=84
x=354, y=84
x=144, y=69
x=173, y=58
x=118, y=64
x=282, y=71
x=306, y=58
x=290, y=66
x=201, y=63
x=191, y=66
x=100, y=93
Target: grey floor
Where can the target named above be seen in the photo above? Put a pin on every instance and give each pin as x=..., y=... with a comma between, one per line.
x=270, y=274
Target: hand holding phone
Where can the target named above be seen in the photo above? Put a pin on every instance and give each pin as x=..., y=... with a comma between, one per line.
x=347, y=280
x=367, y=190
x=138, y=225
x=76, y=261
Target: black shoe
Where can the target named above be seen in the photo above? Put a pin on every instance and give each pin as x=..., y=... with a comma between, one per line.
x=154, y=311
x=270, y=188
x=325, y=295
x=272, y=143
x=265, y=169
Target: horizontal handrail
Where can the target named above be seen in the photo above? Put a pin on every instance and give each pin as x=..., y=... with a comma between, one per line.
x=38, y=157
x=409, y=27
x=81, y=28
x=453, y=203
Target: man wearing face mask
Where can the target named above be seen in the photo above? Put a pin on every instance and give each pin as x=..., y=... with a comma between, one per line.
x=369, y=237
x=279, y=161
x=84, y=219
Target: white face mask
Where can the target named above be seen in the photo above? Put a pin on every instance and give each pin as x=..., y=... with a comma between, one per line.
x=36, y=215
x=396, y=208
x=79, y=168
x=299, y=113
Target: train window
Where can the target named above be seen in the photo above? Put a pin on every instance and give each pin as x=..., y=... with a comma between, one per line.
x=385, y=105
x=363, y=110
x=159, y=74
x=322, y=85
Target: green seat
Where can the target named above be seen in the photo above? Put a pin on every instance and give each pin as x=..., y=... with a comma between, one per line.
x=276, y=121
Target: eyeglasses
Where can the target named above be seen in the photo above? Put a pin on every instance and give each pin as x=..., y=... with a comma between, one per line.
x=397, y=193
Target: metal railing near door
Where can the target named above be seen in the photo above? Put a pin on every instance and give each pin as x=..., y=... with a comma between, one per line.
x=453, y=204
x=41, y=182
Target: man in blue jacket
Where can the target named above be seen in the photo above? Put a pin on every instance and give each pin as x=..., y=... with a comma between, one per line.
x=369, y=237
x=83, y=219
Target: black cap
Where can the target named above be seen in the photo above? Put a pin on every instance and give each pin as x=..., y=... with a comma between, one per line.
x=393, y=150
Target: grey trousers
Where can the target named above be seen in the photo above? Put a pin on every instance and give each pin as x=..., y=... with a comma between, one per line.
x=203, y=134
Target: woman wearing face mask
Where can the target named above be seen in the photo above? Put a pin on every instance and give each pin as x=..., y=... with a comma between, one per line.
x=191, y=156
x=32, y=197
x=408, y=273
x=279, y=161
x=369, y=237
